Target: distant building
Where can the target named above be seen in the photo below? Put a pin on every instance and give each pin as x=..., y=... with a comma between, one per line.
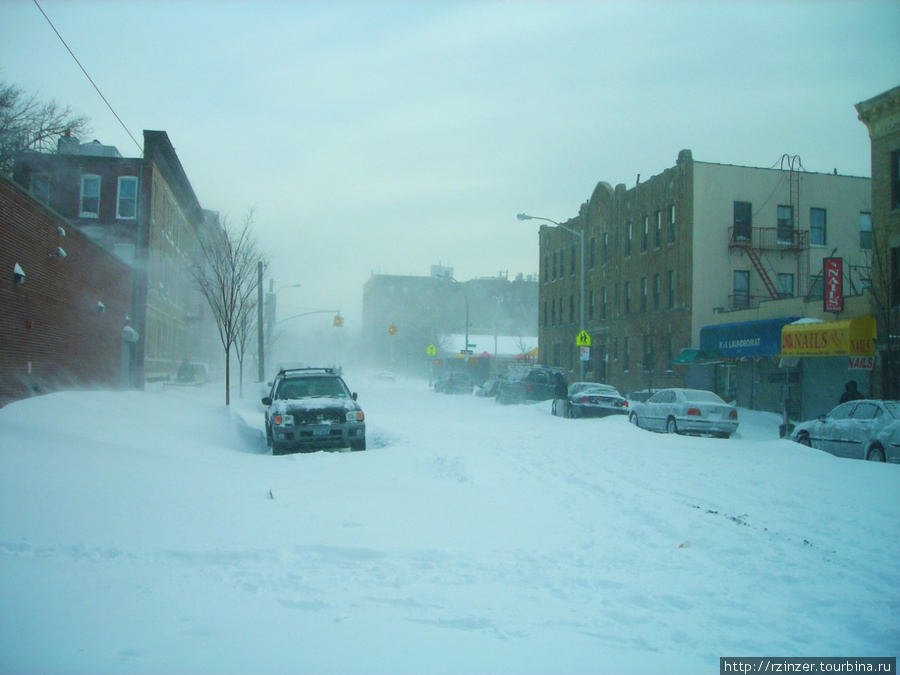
x=674, y=253
x=145, y=212
x=405, y=315
x=881, y=115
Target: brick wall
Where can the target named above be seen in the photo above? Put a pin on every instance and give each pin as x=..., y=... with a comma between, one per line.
x=52, y=334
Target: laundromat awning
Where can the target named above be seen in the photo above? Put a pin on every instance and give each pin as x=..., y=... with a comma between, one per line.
x=849, y=337
x=747, y=338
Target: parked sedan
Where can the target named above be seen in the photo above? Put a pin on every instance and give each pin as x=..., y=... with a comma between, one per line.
x=686, y=411
x=864, y=429
x=589, y=399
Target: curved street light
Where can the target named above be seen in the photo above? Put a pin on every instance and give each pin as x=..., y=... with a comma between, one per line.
x=466, y=298
x=580, y=235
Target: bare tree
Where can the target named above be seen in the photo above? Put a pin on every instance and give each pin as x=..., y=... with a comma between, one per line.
x=243, y=344
x=28, y=123
x=225, y=272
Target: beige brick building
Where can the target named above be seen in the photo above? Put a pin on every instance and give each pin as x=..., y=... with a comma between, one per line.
x=663, y=257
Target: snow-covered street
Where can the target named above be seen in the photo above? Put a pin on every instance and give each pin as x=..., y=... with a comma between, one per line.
x=152, y=532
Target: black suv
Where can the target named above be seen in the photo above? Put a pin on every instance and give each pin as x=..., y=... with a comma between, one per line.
x=312, y=409
x=528, y=384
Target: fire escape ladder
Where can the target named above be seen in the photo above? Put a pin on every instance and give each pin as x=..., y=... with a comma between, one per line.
x=803, y=265
x=761, y=271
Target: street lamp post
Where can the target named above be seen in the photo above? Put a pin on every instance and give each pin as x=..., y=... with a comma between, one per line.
x=466, y=299
x=580, y=236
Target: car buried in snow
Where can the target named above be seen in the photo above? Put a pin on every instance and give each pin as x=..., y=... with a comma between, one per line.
x=686, y=411
x=865, y=429
x=590, y=399
x=312, y=409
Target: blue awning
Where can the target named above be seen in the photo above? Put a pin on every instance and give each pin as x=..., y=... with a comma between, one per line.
x=748, y=338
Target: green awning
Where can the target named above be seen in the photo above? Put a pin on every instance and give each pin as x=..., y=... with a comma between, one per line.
x=693, y=355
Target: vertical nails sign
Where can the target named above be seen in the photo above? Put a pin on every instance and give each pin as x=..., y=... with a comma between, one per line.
x=833, y=300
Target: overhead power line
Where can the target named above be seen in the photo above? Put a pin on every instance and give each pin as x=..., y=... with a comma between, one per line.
x=90, y=79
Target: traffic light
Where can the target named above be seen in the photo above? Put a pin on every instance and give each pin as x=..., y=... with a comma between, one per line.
x=338, y=321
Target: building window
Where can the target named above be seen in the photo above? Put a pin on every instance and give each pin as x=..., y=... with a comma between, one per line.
x=560, y=311
x=865, y=231
x=40, y=187
x=571, y=309
x=546, y=268
x=670, y=289
x=626, y=354
x=657, y=230
x=743, y=222
x=552, y=313
x=895, y=277
x=616, y=298
x=627, y=297
x=645, y=235
x=628, y=233
x=603, y=304
x=671, y=237
x=545, y=315
x=593, y=251
x=555, y=263
x=785, y=225
x=126, y=204
x=785, y=285
x=591, y=305
x=817, y=227
x=648, y=353
x=741, y=289
x=572, y=260
x=89, y=203
x=643, y=295
x=655, y=292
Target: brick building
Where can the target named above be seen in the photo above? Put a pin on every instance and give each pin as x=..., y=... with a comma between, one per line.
x=699, y=239
x=144, y=211
x=61, y=324
x=881, y=115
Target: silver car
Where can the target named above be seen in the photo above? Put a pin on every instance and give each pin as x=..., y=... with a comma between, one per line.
x=589, y=399
x=864, y=429
x=686, y=411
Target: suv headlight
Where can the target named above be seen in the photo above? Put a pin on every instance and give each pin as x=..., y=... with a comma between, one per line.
x=283, y=420
x=355, y=416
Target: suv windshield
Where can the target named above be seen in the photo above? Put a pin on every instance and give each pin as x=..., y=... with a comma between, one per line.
x=312, y=387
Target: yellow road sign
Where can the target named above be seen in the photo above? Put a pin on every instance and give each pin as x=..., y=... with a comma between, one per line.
x=431, y=350
x=583, y=339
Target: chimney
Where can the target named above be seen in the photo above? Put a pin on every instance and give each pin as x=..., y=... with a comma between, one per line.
x=68, y=144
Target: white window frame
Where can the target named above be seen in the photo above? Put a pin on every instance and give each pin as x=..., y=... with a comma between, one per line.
x=125, y=180
x=85, y=178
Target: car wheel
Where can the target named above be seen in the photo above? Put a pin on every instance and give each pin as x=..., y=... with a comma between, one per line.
x=803, y=439
x=876, y=454
x=634, y=420
x=276, y=449
x=723, y=434
x=357, y=446
x=671, y=426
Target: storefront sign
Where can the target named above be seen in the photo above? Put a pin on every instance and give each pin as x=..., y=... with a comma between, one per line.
x=833, y=269
x=748, y=338
x=853, y=337
x=862, y=362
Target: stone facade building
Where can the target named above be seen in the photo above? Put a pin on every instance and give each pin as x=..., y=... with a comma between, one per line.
x=699, y=239
x=881, y=115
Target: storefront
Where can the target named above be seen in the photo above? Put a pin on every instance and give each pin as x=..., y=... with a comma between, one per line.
x=829, y=353
x=746, y=367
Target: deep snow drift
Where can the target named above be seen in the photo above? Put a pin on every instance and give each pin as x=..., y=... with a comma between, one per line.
x=152, y=532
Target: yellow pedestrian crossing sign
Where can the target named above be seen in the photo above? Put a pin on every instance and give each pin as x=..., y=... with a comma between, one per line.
x=431, y=350
x=583, y=339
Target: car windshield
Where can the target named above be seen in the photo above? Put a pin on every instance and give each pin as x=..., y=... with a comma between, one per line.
x=313, y=387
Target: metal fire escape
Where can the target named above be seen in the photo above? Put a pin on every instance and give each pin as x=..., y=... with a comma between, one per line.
x=754, y=241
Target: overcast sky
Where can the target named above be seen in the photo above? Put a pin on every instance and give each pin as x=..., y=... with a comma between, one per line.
x=387, y=137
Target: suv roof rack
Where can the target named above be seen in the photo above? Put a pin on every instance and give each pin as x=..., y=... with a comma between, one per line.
x=285, y=371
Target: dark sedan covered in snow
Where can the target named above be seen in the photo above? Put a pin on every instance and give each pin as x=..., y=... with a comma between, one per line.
x=590, y=399
x=686, y=411
x=865, y=429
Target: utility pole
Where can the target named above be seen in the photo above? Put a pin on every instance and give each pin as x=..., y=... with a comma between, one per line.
x=259, y=323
